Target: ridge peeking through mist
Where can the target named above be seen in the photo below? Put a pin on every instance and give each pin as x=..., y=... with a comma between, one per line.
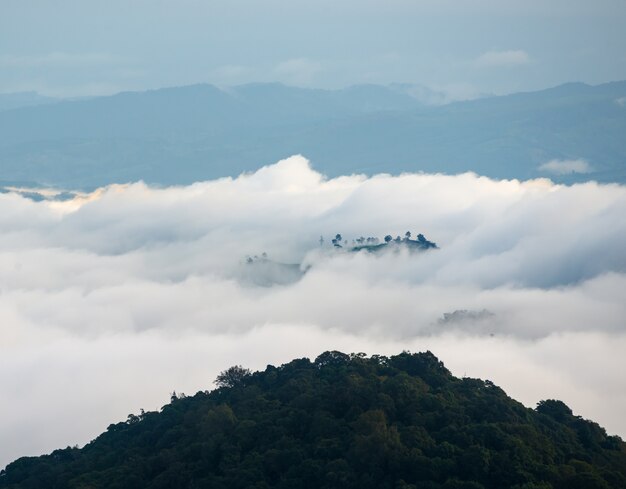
x=132, y=291
x=186, y=134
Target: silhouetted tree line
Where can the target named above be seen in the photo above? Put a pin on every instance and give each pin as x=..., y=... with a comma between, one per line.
x=340, y=421
x=372, y=243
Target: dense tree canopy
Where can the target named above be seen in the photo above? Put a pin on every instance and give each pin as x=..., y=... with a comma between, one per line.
x=341, y=421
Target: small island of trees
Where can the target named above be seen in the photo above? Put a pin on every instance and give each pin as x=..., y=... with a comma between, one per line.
x=372, y=243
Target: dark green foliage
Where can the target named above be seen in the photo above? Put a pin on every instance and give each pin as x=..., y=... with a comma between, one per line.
x=373, y=244
x=342, y=421
x=232, y=376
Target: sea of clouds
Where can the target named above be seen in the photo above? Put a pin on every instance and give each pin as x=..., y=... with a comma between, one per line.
x=111, y=300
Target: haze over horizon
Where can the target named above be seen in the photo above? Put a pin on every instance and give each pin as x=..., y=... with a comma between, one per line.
x=74, y=49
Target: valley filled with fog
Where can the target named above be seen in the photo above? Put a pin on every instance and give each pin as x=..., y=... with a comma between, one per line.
x=110, y=300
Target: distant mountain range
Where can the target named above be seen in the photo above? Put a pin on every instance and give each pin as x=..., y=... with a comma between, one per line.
x=199, y=132
x=18, y=100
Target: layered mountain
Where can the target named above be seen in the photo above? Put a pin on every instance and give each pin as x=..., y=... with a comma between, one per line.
x=341, y=421
x=185, y=134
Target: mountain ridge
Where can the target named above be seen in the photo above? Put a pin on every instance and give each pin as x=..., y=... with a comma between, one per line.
x=340, y=421
x=184, y=134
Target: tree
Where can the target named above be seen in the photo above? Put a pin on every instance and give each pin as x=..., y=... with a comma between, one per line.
x=407, y=235
x=557, y=410
x=388, y=238
x=332, y=358
x=232, y=376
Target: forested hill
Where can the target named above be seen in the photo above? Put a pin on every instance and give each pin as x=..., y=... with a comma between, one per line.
x=182, y=135
x=342, y=421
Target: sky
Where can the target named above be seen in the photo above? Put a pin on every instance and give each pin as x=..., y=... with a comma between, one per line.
x=114, y=299
x=73, y=48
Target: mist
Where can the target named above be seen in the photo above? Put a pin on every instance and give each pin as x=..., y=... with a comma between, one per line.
x=111, y=300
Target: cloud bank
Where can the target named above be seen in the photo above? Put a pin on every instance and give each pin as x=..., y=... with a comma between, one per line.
x=298, y=71
x=566, y=167
x=111, y=300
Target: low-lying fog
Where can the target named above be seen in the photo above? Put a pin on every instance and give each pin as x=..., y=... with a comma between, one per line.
x=110, y=301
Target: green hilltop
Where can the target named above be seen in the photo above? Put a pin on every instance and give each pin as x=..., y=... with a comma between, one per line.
x=340, y=421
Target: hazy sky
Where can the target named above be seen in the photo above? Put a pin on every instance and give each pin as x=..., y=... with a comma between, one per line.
x=111, y=301
x=462, y=47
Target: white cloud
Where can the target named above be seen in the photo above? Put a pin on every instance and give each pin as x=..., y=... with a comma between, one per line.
x=566, y=167
x=442, y=94
x=230, y=74
x=298, y=71
x=503, y=58
x=131, y=292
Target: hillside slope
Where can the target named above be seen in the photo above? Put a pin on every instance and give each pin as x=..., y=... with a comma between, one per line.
x=185, y=134
x=340, y=422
